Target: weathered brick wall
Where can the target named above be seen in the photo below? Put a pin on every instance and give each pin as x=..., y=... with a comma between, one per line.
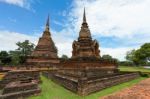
x=21, y=94
x=19, y=84
x=89, y=64
x=90, y=86
x=67, y=83
x=87, y=72
x=17, y=87
x=41, y=60
x=84, y=86
x=18, y=75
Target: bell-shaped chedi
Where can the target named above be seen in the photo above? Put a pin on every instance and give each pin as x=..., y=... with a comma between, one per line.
x=45, y=52
x=46, y=46
x=85, y=46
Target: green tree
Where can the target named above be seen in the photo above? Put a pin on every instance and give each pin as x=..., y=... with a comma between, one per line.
x=143, y=54
x=5, y=58
x=107, y=57
x=145, y=49
x=130, y=55
x=24, y=49
x=140, y=56
x=126, y=63
x=65, y=57
x=15, y=55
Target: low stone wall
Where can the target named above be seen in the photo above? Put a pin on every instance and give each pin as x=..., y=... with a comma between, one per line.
x=18, y=75
x=87, y=86
x=66, y=82
x=21, y=94
x=19, y=84
x=88, y=64
x=87, y=72
x=84, y=86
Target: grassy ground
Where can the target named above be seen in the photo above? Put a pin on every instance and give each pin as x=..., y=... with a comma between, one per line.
x=50, y=90
x=131, y=68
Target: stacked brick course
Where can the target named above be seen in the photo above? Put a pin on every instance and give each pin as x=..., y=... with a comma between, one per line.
x=20, y=84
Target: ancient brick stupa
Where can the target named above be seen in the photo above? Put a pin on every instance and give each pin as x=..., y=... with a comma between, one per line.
x=86, y=72
x=45, y=52
x=85, y=46
x=86, y=53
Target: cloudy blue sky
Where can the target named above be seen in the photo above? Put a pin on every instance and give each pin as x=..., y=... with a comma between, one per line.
x=118, y=25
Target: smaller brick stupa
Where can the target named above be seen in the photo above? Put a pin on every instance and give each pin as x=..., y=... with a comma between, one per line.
x=45, y=52
x=85, y=46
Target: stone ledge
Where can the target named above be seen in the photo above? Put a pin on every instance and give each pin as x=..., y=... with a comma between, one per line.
x=18, y=86
x=85, y=86
x=20, y=95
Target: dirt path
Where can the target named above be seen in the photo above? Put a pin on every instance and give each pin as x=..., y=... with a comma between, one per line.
x=138, y=91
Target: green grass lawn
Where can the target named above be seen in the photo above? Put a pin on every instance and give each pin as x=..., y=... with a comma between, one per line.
x=131, y=68
x=51, y=90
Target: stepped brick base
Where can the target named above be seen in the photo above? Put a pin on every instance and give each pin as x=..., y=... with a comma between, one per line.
x=85, y=86
x=18, y=75
x=20, y=84
x=21, y=94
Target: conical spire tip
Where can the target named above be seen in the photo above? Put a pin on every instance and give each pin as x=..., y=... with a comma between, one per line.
x=47, y=24
x=84, y=16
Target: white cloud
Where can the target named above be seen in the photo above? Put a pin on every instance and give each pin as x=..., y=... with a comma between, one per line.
x=63, y=43
x=113, y=17
x=20, y=3
x=126, y=20
x=118, y=53
x=9, y=39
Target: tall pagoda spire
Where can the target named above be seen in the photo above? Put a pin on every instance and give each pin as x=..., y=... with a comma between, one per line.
x=84, y=16
x=47, y=24
x=84, y=32
x=84, y=24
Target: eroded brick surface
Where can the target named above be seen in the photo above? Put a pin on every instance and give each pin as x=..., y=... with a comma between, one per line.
x=138, y=91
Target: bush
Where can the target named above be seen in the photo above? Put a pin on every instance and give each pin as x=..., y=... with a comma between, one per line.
x=126, y=63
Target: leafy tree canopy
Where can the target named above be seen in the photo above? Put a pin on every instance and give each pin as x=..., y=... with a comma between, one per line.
x=64, y=57
x=107, y=57
x=5, y=57
x=140, y=56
